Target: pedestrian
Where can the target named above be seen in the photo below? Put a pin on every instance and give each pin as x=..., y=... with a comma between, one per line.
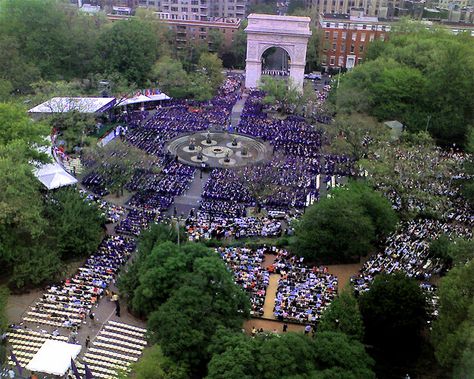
x=254, y=331
x=117, y=309
x=88, y=340
x=285, y=328
x=307, y=329
x=92, y=318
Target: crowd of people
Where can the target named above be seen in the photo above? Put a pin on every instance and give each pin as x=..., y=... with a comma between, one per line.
x=201, y=227
x=71, y=303
x=407, y=251
x=249, y=273
x=303, y=292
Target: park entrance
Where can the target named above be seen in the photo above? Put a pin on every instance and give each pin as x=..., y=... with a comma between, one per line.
x=276, y=41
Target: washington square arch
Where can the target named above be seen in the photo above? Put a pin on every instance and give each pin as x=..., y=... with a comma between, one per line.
x=268, y=31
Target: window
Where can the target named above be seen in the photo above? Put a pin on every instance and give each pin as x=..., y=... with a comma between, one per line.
x=343, y=48
x=328, y=24
x=352, y=48
x=344, y=35
x=373, y=27
x=335, y=35
x=364, y=27
x=382, y=37
x=327, y=35
x=195, y=10
x=362, y=37
x=334, y=46
x=340, y=61
x=174, y=9
x=332, y=61
x=371, y=37
x=359, y=60
x=361, y=48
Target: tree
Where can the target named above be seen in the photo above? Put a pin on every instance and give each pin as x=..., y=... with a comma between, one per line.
x=285, y=95
x=75, y=225
x=343, y=315
x=334, y=230
x=239, y=45
x=291, y=355
x=17, y=128
x=154, y=365
x=117, y=163
x=357, y=135
x=296, y=6
x=312, y=58
x=171, y=77
x=216, y=41
x=161, y=272
x=453, y=329
x=5, y=89
x=394, y=314
x=129, y=47
x=345, y=226
x=30, y=23
x=419, y=77
x=74, y=127
x=211, y=67
x=208, y=298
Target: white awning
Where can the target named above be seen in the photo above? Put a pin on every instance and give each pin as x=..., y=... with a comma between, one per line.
x=52, y=175
x=79, y=104
x=143, y=99
x=54, y=357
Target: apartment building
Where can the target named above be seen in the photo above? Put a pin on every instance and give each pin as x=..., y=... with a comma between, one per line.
x=188, y=31
x=196, y=10
x=345, y=38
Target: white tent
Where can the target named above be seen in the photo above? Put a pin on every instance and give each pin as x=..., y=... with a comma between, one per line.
x=52, y=175
x=54, y=357
x=79, y=104
x=143, y=99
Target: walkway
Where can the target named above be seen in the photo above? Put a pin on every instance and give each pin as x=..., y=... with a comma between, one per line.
x=237, y=111
x=191, y=198
x=270, y=296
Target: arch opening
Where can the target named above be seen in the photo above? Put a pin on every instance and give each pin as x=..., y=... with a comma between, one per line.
x=275, y=61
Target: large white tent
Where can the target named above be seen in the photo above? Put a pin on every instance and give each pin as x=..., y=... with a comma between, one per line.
x=79, y=104
x=54, y=357
x=143, y=99
x=52, y=175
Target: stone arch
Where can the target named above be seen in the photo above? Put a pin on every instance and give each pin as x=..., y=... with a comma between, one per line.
x=286, y=32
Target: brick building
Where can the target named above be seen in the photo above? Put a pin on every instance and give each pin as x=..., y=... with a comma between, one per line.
x=344, y=38
x=190, y=30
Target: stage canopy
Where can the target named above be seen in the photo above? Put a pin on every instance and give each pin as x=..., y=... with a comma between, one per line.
x=52, y=175
x=79, y=104
x=54, y=357
x=143, y=99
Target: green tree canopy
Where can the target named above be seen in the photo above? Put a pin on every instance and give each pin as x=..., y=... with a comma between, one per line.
x=171, y=77
x=207, y=298
x=154, y=365
x=344, y=226
x=74, y=224
x=394, y=314
x=421, y=78
x=280, y=93
x=130, y=48
x=291, y=355
x=343, y=315
x=453, y=330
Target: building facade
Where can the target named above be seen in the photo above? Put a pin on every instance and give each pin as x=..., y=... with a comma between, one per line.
x=196, y=10
x=345, y=38
x=189, y=31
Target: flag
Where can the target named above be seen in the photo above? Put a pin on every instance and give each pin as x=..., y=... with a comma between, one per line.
x=74, y=370
x=13, y=357
x=88, y=372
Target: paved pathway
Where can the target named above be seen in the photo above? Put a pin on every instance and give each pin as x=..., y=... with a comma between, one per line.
x=237, y=111
x=190, y=199
x=270, y=296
